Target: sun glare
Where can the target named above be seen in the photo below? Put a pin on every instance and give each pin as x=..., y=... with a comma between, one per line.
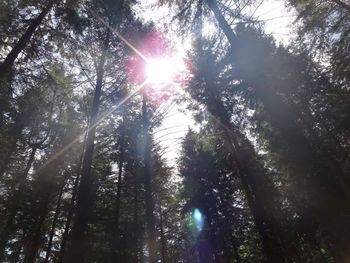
x=163, y=70
x=159, y=71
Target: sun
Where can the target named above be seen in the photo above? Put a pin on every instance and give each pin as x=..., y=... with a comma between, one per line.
x=163, y=70
x=159, y=71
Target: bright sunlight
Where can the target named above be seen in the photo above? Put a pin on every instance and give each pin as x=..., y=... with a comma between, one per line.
x=164, y=70
x=159, y=71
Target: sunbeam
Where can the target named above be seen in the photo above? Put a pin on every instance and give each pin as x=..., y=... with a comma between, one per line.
x=100, y=118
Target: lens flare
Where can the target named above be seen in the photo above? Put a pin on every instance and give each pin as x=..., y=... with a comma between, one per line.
x=198, y=219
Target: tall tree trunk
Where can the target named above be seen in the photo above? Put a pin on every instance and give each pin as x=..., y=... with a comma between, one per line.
x=7, y=227
x=136, y=218
x=334, y=215
x=341, y=4
x=117, y=202
x=270, y=241
x=259, y=199
x=222, y=227
x=226, y=28
x=84, y=199
x=14, y=135
x=235, y=248
x=150, y=220
x=35, y=243
x=7, y=158
x=204, y=247
x=71, y=210
x=140, y=249
x=323, y=185
x=334, y=150
x=228, y=223
x=54, y=223
x=162, y=235
x=258, y=190
x=6, y=65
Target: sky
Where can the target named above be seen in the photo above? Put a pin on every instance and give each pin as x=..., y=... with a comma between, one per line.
x=278, y=21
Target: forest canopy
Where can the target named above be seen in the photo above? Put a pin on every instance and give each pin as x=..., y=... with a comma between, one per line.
x=174, y=131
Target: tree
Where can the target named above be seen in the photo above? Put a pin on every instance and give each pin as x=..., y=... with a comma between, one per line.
x=263, y=176
x=279, y=111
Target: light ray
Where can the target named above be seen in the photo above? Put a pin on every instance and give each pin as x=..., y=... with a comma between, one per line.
x=158, y=70
x=108, y=112
x=100, y=119
x=119, y=35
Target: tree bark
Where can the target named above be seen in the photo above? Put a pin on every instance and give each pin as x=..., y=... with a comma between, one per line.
x=35, y=243
x=136, y=219
x=7, y=228
x=7, y=64
x=54, y=223
x=272, y=247
x=327, y=197
x=6, y=161
x=257, y=198
x=162, y=235
x=341, y=4
x=334, y=222
x=225, y=226
x=150, y=220
x=71, y=210
x=117, y=203
x=226, y=28
x=14, y=135
x=84, y=199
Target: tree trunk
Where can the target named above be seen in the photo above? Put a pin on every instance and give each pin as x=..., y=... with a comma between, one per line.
x=270, y=241
x=223, y=227
x=258, y=197
x=258, y=190
x=7, y=64
x=228, y=223
x=117, y=203
x=141, y=251
x=6, y=161
x=14, y=135
x=34, y=247
x=235, y=248
x=136, y=219
x=332, y=216
x=84, y=199
x=54, y=223
x=71, y=210
x=226, y=28
x=162, y=235
x=342, y=4
x=150, y=221
x=204, y=247
x=7, y=228
x=304, y=112
x=324, y=188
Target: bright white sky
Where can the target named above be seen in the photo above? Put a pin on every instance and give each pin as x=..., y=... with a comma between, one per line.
x=278, y=22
